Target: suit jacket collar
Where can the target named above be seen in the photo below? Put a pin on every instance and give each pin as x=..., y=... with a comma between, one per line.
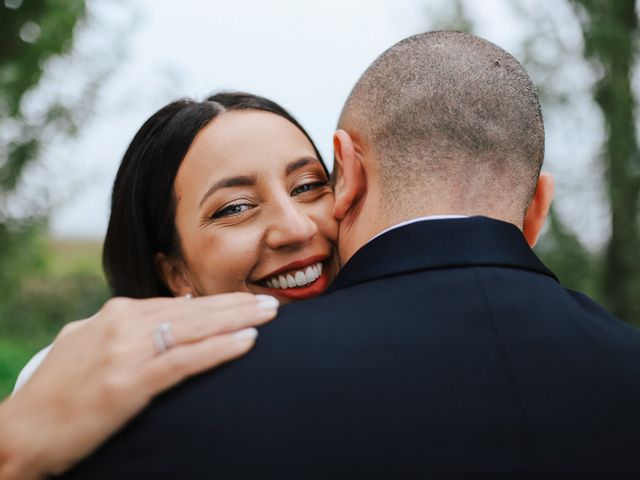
x=437, y=244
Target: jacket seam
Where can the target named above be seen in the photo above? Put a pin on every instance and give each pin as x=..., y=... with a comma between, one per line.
x=515, y=392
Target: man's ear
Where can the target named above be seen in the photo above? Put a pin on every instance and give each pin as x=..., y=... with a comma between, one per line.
x=538, y=209
x=174, y=275
x=350, y=181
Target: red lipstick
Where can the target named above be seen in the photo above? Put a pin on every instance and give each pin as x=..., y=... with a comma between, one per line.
x=309, y=290
x=297, y=265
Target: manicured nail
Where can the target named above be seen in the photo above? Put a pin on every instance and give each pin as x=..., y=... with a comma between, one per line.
x=267, y=302
x=246, y=334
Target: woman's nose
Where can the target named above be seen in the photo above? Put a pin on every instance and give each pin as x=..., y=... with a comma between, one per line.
x=290, y=226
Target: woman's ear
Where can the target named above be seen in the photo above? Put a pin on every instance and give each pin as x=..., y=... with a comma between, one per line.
x=538, y=209
x=349, y=176
x=173, y=273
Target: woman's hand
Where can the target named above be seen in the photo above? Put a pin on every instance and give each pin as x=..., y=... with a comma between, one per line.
x=101, y=371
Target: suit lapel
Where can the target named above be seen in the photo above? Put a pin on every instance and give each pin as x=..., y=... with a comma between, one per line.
x=436, y=244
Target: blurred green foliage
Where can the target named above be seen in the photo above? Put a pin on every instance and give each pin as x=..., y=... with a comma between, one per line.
x=65, y=282
x=576, y=267
x=52, y=296
x=36, y=296
x=13, y=356
x=32, y=32
x=610, y=31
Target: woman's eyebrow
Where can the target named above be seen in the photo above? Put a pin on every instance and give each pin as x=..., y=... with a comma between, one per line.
x=296, y=164
x=239, y=181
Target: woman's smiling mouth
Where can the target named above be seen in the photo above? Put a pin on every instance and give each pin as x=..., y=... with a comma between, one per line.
x=298, y=280
x=295, y=278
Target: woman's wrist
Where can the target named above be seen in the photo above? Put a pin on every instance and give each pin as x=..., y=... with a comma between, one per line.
x=18, y=458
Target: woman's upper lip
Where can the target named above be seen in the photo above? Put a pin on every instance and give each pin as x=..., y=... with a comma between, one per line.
x=297, y=265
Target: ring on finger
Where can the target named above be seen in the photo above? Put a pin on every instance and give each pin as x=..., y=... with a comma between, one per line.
x=163, y=337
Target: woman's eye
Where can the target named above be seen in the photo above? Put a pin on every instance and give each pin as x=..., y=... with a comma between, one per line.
x=307, y=187
x=232, y=210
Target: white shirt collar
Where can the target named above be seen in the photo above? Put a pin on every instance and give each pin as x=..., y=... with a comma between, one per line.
x=414, y=220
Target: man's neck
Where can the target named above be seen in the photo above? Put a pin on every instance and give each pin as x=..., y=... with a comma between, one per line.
x=359, y=229
x=366, y=223
x=419, y=219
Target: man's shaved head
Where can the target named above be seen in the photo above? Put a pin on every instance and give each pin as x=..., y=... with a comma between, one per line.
x=449, y=115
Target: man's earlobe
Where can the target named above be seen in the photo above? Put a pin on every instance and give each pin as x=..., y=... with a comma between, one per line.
x=349, y=174
x=538, y=210
x=172, y=273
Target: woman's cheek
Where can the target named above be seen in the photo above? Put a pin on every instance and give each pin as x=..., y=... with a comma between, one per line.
x=240, y=255
x=327, y=223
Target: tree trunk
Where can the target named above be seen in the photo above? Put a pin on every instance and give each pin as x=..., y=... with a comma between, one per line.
x=610, y=31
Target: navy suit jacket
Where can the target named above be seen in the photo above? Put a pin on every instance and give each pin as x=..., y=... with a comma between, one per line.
x=443, y=349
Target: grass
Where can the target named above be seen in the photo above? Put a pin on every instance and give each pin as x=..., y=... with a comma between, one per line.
x=70, y=256
x=13, y=356
x=69, y=287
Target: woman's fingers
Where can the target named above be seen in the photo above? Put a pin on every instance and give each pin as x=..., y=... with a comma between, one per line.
x=173, y=366
x=123, y=309
x=227, y=320
x=206, y=341
x=211, y=302
x=128, y=326
x=203, y=333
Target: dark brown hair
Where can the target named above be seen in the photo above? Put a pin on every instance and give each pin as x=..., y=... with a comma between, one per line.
x=142, y=221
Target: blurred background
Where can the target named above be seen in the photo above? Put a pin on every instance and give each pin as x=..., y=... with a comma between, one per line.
x=78, y=78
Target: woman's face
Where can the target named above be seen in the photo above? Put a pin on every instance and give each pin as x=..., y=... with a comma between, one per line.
x=254, y=211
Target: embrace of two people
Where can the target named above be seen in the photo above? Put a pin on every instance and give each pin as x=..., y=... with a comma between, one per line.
x=441, y=347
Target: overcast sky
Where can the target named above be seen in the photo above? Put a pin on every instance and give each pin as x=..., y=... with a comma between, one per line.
x=305, y=54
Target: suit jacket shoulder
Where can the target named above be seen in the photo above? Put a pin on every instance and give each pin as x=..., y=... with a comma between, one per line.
x=444, y=349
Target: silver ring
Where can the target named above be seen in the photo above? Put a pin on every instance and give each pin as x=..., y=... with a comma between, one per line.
x=163, y=338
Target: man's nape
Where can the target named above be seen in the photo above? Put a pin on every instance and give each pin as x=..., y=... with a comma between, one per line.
x=460, y=132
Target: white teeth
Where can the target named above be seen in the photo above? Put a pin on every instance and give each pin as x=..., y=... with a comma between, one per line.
x=310, y=274
x=296, y=279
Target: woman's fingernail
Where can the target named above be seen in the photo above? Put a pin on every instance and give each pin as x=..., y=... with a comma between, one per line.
x=267, y=302
x=246, y=334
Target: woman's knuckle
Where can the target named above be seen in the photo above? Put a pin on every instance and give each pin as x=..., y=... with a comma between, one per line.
x=116, y=329
x=68, y=328
x=117, y=305
x=180, y=365
x=113, y=353
x=202, y=329
x=114, y=388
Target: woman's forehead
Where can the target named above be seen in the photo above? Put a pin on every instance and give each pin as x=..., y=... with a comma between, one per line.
x=242, y=144
x=238, y=140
